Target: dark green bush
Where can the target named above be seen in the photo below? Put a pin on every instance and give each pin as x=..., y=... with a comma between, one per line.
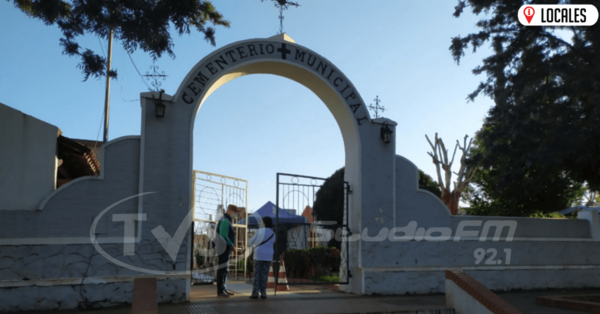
x=199, y=260
x=541, y=214
x=334, y=278
x=249, y=266
x=298, y=263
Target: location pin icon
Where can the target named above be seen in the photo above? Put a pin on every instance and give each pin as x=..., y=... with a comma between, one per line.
x=528, y=12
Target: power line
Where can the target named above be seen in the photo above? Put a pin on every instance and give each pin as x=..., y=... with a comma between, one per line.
x=101, y=48
x=123, y=99
x=123, y=83
x=102, y=117
x=138, y=71
x=99, y=129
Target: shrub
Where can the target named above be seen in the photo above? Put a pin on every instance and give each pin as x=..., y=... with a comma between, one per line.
x=540, y=214
x=249, y=266
x=199, y=260
x=298, y=263
x=334, y=278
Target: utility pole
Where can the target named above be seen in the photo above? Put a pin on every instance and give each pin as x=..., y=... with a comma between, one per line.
x=107, y=94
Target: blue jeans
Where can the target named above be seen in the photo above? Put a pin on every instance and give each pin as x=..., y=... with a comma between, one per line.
x=261, y=275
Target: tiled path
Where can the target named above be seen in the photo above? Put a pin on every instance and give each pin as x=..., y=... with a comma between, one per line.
x=311, y=299
x=303, y=299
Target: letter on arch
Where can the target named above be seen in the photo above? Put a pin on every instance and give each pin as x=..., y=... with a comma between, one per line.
x=185, y=99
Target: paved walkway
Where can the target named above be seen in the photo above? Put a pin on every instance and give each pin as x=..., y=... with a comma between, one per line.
x=314, y=299
x=302, y=299
x=525, y=301
x=310, y=299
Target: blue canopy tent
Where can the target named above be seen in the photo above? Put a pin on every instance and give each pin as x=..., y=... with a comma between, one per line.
x=291, y=231
x=269, y=209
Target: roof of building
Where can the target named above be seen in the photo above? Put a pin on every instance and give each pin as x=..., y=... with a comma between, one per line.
x=77, y=160
x=308, y=213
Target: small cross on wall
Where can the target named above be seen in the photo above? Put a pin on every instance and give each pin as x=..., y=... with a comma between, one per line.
x=376, y=108
x=156, y=78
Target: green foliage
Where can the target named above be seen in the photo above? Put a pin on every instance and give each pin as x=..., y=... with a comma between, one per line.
x=541, y=140
x=427, y=183
x=136, y=24
x=199, y=260
x=249, y=266
x=505, y=186
x=540, y=214
x=299, y=263
x=334, y=278
x=574, y=214
x=329, y=203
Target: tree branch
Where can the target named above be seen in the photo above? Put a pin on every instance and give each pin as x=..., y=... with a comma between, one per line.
x=571, y=47
x=445, y=165
x=436, y=161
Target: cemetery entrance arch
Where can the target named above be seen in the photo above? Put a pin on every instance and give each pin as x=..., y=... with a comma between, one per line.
x=167, y=141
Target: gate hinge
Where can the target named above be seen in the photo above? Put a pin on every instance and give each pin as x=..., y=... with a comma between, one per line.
x=349, y=274
x=349, y=190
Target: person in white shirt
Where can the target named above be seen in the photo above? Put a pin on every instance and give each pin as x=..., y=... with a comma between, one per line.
x=262, y=242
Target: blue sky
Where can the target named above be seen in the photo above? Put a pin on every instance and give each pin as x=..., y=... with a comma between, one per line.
x=258, y=125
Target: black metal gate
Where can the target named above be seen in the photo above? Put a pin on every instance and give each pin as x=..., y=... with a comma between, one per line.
x=311, y=223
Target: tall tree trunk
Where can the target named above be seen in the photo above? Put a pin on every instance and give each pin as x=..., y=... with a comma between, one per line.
x=451, y=200
x=439, y=156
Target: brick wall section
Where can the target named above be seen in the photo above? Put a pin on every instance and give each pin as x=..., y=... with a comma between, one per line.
x=480, y=293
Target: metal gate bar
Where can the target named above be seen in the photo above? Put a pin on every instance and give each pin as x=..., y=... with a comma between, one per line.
x=291, y=199
x=212, y=193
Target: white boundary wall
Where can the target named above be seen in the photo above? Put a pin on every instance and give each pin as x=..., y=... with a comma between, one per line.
x=28, y=159
x=146, y=180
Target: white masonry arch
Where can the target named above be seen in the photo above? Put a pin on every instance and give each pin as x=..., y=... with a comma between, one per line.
x=369, y=161
x=280, y=56
x=408, y=239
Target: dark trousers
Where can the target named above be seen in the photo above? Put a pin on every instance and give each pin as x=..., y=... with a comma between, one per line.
x=261, y=277
x=222, y=271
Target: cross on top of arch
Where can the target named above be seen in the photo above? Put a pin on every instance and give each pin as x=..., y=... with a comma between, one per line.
x=283, y=5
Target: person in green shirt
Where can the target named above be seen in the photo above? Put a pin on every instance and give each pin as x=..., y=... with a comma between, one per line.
x=226, y=234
